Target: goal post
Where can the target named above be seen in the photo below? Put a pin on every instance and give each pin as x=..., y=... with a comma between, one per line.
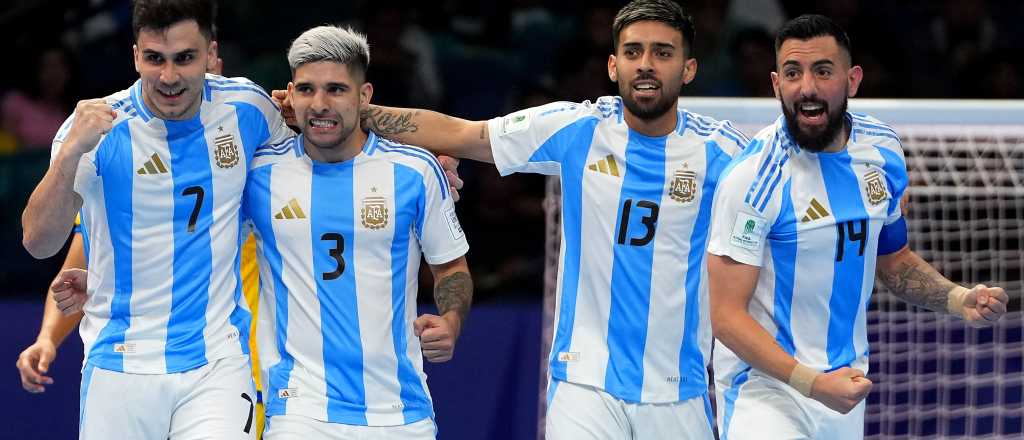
x=934, y=376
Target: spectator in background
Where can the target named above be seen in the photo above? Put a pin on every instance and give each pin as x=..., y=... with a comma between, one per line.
x=34, y=113
x=404, y=64
x=513, y=266
x=1001, y=78
x=582, y=65
x=753, y=57
x=952, y=46
x=709, y=46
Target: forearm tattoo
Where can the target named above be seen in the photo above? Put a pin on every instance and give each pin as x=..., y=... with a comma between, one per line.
x=454, y=292
x=387, y=123
x=921, y=286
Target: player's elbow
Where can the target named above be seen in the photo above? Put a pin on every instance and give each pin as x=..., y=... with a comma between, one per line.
x=36, y=240
x=718, y=326
x=37, y=245
x=723, y=322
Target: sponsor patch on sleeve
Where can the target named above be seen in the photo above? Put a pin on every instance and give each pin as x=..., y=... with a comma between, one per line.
x=453, y=224
x=748, y=232
x=516, y=122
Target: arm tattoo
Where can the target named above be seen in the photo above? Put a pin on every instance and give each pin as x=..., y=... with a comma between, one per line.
x=454, y=292
x=388, y=123
x=922, y=287
x=482, y=129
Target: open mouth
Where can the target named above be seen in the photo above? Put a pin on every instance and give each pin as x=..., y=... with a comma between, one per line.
x=646, y=88
x=171, y=95
x=323, y=124
x=812, y=111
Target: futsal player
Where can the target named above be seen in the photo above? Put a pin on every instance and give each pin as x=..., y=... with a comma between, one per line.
x=632, y=338
x=804, y=219
x=160, y=168
x=341, y=220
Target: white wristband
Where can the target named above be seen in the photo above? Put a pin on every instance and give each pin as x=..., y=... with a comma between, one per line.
x=955, y=301
x=802, y=379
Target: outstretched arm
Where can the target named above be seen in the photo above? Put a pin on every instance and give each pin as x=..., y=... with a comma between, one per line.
x=453, y=293
x=437, y=132
x=915, y=281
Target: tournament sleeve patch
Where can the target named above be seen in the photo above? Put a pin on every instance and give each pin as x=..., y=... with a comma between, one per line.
x=453, y=224
x=516, y=122
x=748, y=232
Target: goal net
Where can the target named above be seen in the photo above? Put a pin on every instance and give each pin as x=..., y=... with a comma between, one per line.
x=934, y=376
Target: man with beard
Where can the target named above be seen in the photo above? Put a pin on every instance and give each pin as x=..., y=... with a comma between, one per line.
x=632, y=342
x=803, y=218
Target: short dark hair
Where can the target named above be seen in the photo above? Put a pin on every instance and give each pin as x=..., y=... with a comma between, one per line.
x=162, y=14
x=665, y=11
x=809, y=26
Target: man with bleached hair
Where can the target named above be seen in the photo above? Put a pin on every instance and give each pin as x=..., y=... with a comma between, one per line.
x=341, y=218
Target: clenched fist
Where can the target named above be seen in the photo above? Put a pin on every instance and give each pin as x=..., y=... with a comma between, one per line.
x=93, y=118
x=437, y=336
x=842, y=389
x=69, y=290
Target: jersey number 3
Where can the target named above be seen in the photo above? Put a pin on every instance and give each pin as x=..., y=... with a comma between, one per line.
x=337, y=253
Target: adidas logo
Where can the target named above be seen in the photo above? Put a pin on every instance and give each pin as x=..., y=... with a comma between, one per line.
x=153, y=166
x=605, y=166
x=290, y=211
x=815, y=212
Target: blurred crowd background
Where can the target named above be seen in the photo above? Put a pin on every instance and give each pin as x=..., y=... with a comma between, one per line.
x=478, y=60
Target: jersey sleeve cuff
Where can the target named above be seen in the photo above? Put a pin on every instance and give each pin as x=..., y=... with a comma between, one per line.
x=501, y=161
x=449, y=256
x=739, y=255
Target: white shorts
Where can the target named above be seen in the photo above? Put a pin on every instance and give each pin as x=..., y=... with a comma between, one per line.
x=215, y=401
x=580, y=412
x=288, y=427
x=762, y=407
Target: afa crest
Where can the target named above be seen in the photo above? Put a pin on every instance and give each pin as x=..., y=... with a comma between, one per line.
x=684, y=186
x=876, y=189
x=374, y=212
x=225, y=152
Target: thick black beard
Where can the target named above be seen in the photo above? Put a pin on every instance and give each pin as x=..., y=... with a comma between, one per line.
x=650, y=113
x=808, y=141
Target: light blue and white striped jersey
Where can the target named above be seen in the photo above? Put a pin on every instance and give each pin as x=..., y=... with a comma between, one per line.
x=339, y=248
x=814, y=223
x=631, y=309
x=161, y=207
